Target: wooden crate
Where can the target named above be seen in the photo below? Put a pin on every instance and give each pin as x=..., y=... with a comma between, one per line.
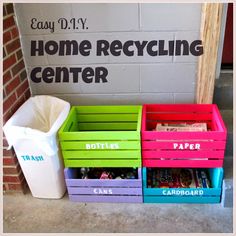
x=102, y=136
x=103, y=190
x=185, y=195
x=201, y=149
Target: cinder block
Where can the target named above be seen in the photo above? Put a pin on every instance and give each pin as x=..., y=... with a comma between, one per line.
x=152, y=98
x=87, y=99
x=189, y=36
x=100, y=17
x=170, y=16
x=26, y=46
x=184, y=98
x=227, y=193
x=108, y=17
x=24, y=13
x=120, y=79
x=168, y=78
x=118, y=99
x=142, y=98
x=76, y=59
x=141, y=36
x=110, y=37
x=53, y=12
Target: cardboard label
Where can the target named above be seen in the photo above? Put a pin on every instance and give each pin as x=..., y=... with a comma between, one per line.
x=182, y=192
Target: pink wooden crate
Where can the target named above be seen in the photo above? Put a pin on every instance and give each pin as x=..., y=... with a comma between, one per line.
x=182, y=149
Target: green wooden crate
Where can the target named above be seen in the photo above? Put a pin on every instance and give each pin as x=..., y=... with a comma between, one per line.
x=102, y=136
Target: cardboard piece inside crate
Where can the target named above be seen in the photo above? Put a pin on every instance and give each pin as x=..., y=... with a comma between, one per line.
x=158, y=147
x=102, y=136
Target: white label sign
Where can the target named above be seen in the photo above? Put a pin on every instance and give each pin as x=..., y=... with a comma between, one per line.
x=102, y=191
x=102, y=146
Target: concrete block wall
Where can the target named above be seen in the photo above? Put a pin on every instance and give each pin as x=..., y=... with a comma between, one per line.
x=15, y=92
x=131, y=80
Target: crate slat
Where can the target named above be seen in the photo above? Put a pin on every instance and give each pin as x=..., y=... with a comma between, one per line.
x=218, y=119
x=103, y=162
x=107, y=126
x=219, y=154
x=108, y=109
x=105, y=183
x=183, y=163
x=203, y=108
x=169, y=145
x=108, y=190
x=107, y=117
x=178, y=117
x=156, y=191
x=98, y=154
x=114, y=199
x=81, y=145
x=192, y=199
x=100, y=135
x=211, y=135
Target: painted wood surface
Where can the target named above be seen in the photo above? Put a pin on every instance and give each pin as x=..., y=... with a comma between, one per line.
x=189, y=163
x=194, y=200
x=102, y=136
x=103, y=190
x=111, y=199
x=182, y=149
x=208, y=195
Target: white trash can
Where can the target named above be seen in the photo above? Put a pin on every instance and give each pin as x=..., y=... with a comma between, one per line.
x=32, y=131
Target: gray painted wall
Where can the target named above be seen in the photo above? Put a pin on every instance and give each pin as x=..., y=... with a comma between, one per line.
x=131, y=80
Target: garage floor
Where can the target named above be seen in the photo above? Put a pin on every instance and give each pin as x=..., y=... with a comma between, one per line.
x=26, y=214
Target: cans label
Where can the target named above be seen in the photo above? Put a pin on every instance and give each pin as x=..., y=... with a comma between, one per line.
x=102, y=191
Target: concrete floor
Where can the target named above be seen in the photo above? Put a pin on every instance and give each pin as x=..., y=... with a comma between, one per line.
x=26, y=214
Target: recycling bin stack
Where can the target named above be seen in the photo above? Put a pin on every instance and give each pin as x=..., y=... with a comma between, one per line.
x=199, y=150
x=102, y=137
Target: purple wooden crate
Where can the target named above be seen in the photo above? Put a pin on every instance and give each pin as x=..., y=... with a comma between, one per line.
x=100, y=190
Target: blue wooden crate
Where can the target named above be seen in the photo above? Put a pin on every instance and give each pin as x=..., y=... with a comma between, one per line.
x=185, y=195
